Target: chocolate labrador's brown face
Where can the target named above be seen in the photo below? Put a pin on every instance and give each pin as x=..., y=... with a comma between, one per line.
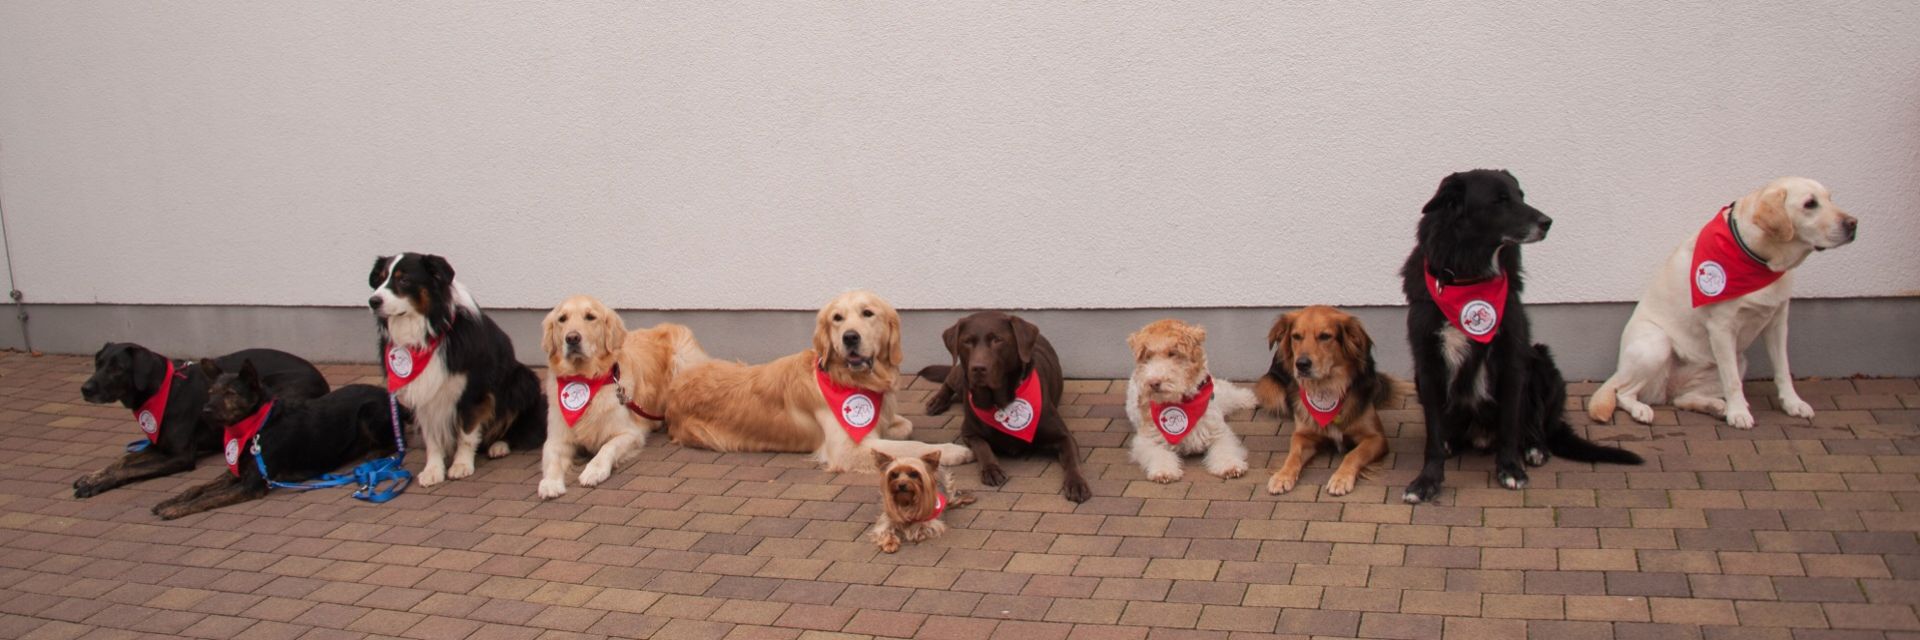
x=994, y=352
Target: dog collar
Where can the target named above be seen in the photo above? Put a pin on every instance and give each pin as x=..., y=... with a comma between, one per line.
x=1017, y=419
x=1476, y=308
x=1322, y=415
x=632, y=405
x=1176, y=419
x=576, y=392
x=1724, y=267
x=939, y=507
x=152, y=412
x=856, y=409
x=404, y=364
x=238, y=433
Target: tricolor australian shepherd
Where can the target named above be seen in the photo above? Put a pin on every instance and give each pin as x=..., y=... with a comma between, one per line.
x=451, y=366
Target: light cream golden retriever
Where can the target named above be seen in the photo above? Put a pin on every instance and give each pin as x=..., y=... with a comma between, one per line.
x=778, y=406
x=613, y=382
x=1696, y=355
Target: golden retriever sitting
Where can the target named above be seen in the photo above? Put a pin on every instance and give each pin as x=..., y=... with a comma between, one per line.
x=833, y=400
x=1324, y=376
x=605, y=387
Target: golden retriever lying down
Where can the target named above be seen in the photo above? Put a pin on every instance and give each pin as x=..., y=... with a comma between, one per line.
x=605, y=387
x=834, y=400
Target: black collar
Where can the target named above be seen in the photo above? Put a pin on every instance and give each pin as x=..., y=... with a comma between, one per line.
x=1735, y=230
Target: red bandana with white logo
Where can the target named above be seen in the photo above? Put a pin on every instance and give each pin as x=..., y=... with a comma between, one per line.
x=405, y=363
x=1723, y=267
x=1018, y=417
x=238, y=433
x=1475, y=309
x=151, y=412
x=857, y=409
x=576, y=392
x=1322, y=415
x=1176, y=419
x=939, y=507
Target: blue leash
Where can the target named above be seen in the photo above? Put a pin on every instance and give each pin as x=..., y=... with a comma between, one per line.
x=370, y=475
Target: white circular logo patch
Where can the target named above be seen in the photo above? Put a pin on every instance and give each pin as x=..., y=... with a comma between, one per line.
x=1710, y=277
x=1479, y=318
x=147, y=421
x=857, y=410
x=233, y=453
x=1328, y=403
x=1173, y=420
x=1016, y=416
x=575, y=395
x=399, y=361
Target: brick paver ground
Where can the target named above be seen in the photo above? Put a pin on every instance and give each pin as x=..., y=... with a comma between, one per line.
x=1791, y=530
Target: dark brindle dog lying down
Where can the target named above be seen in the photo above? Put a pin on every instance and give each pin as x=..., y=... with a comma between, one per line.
x=298, y=438
x=166, y=397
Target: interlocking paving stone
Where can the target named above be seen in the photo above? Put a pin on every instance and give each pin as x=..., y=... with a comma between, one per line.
x=1796, y=529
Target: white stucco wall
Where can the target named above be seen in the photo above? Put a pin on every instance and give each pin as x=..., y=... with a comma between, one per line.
x=764, y=155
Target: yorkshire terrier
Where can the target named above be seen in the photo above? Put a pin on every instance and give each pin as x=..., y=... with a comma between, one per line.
x=913, y=494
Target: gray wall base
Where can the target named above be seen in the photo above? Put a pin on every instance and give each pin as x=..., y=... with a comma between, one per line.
x=1831, y=337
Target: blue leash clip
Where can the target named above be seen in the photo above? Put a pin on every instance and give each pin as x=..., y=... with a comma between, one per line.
x=370, y=475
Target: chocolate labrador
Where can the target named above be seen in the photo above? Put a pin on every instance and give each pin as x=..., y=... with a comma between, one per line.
x=1010, y=379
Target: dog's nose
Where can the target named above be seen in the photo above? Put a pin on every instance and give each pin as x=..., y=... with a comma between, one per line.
x=373, y=303
x=1851, y=224
x=977, y=369
x=1545, y=224
x=851, y=338
x=573, y=338
x=88, y=388
x=1155, y=383
x=1303, y=364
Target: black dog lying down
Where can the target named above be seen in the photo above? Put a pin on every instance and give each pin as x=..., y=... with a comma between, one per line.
x=138, y=378
x=298, y=438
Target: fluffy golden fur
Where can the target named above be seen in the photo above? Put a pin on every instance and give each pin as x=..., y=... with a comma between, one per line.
x=908, y=490
x=1170, y=364
x=583, y=337
x=1327, y=353
x=729, y=406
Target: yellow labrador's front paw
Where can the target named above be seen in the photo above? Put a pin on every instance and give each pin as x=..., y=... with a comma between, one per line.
x=551, y=488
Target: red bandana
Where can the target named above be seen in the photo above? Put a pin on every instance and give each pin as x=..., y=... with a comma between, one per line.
x=1321, y=415
x=405, y=363
x=151, y=412
x=857, y=409
x=240, y=432
x=1475, y=309
x=1175, y=420
x=939, y=507
x=1018, y=417
x=1723, y=267
x=576, y=392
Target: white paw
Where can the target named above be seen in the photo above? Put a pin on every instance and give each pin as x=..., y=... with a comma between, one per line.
x=1642, y=414
x=460, y=470
x=1739, y=418
x=1228, y=469
x=551, y=488
x=1164, y=476
x=498, y=449
x=898, y=430
x=594, y=474
x=1796, y=407
x=952, y=454
x=434, y=473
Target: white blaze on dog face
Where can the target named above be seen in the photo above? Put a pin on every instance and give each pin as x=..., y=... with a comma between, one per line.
x=858, y=328
x=1170, y=359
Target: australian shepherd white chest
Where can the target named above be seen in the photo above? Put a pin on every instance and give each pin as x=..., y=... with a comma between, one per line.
x=452, y=366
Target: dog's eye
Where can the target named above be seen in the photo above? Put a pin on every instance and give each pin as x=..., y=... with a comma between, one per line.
x=866, y=313
x=837, y=317
x=993, y=339
x=913, y=474
x=1813, y=203
x=589, y=317
x=1325, y=337
x=563, y=318
x=1299, y=337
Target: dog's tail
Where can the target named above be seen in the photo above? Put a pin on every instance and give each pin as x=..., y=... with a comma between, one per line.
x=936, y=373
x=1561, y=439
x=1231, y=397
x=1604, y=400
x=1392, y=391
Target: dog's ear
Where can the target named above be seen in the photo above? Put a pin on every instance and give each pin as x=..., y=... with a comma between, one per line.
x=932, y=458
x=1449, y=195
x=613, y=330
x=210, y=368
x=147, y=369
x=249, y=376
x=379, y=272
x=1359, y=346
x=103, y=350
x=823, y=332
x=438, y=268
x=1137, y=341
x=959, y=369
x=1770, y=214
x=1280, y=337
x=951, y=338
x=893, y=352
x=1025, y=336
x=880, y=461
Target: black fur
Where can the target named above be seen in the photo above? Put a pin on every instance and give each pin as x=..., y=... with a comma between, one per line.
x=1016, y=347
x=1474, y=219
x=130, y=374
x=301, y=438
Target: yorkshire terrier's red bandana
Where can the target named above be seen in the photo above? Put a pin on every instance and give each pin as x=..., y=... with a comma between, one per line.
x=1018, y=418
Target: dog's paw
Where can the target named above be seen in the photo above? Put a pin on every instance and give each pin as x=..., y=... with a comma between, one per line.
x=1536, y=456
x=89, y=485
x=952, y=454
x=460, y=469
x=1228, y=469
x=434, y=473
x=898, y=430
x=1164, y=476
x=1740, y=418
x=1514, y=477
x=170, y=511
x=1423, y=489
x=1281, y=483
x=498, y=450
x=1641, y=413
x=1796, y=407
x=939, y=402
x=594, y=474
x=1340, y=484
x=551, y=488
x=888, y=543
x=993, y=475
x=1076, y=490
